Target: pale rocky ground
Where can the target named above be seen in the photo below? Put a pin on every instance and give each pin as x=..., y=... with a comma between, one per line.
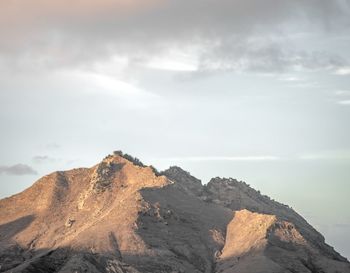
x=121, y=216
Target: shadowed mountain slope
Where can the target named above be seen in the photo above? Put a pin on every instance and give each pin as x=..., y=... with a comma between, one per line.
x=122, y=216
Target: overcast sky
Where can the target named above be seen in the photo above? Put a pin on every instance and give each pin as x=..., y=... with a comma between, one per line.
x=255, y=90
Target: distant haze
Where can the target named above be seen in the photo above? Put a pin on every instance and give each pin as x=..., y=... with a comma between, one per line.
x=256, y=90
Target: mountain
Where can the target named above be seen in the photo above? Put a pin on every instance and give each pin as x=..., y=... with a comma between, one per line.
x=123, y=217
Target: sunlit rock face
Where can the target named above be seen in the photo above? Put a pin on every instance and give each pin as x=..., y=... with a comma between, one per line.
x=122, y=216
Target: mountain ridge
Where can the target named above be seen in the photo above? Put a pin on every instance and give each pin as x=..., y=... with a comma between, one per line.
x=123, y=216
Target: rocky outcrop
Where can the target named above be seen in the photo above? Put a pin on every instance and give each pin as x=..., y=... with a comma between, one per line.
x=185, y=180
x=238, y=195
x=258, y=242
x=122, y=216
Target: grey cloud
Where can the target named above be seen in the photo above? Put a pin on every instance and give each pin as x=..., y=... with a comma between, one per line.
x=265, y=57
x=56, y=36
x=18, y=169
x=42, y=159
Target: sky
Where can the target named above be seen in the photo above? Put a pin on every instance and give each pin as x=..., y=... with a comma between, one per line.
x=255, y=90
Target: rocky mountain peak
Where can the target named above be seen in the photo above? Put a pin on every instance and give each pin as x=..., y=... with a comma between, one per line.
x=181, y=175
x=184, y=179
x=123, y=216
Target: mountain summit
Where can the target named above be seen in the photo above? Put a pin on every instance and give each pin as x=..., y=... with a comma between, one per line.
x=121, y=216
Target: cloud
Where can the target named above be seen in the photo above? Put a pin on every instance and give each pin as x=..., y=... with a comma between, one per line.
x=259, y=55
x=18, y=169
x=344, y=102
x=343, y=71
x=229, y=35
x=290, y=79
x=342, y=97
x=342, y=93
x=173, y=62
x=42, y=159
x=327, y=155
x=223, y=158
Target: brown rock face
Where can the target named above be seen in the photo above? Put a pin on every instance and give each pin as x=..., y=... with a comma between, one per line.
x=122, y=216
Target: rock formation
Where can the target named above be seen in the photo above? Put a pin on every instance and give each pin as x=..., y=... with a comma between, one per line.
x=121, y=216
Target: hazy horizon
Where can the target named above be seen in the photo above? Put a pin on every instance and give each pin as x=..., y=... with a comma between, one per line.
x=254, y=90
